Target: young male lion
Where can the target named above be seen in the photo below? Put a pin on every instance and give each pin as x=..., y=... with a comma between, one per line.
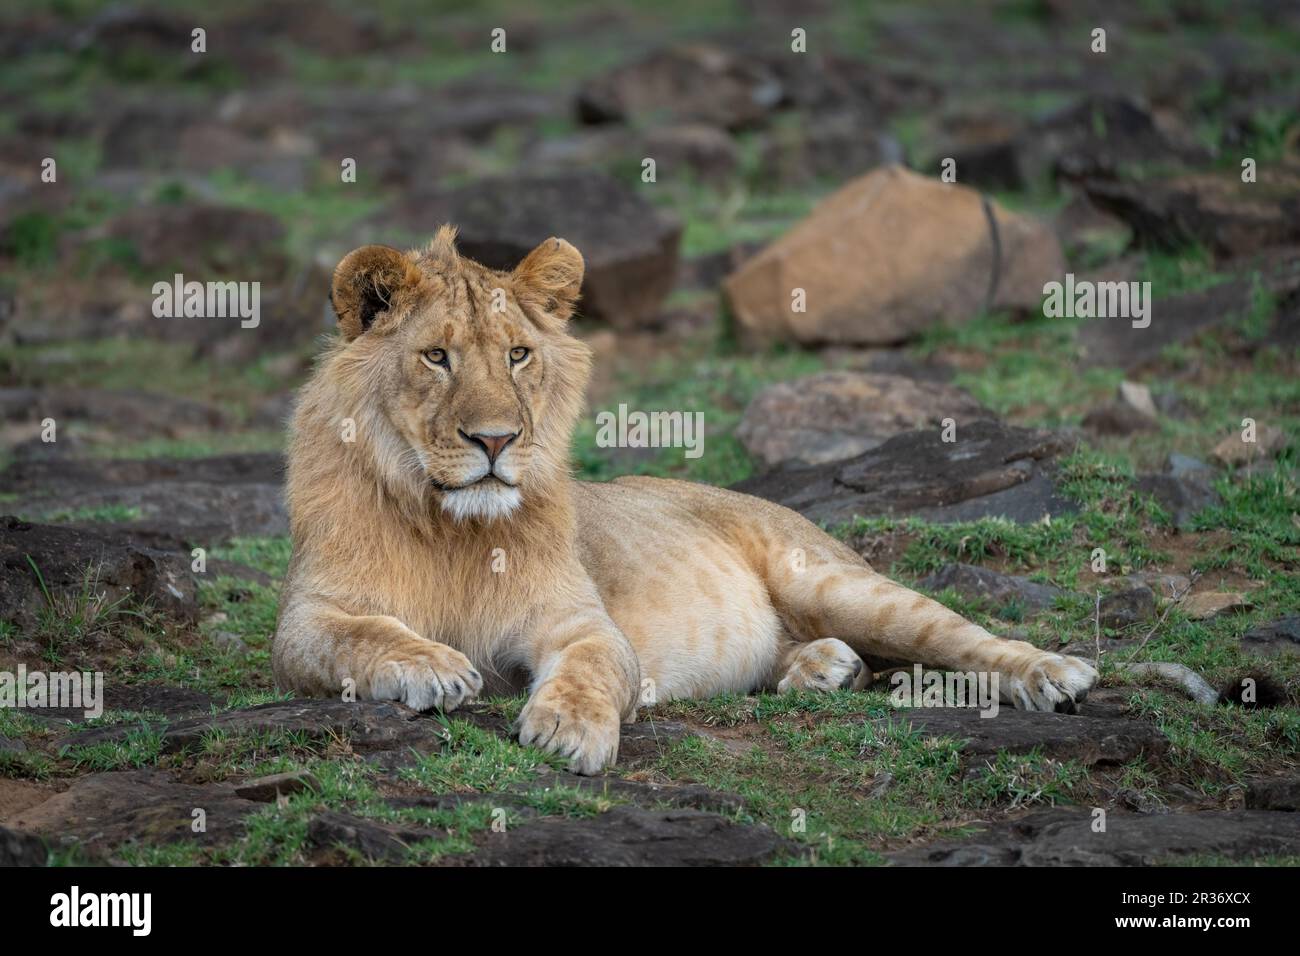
x=441, y=547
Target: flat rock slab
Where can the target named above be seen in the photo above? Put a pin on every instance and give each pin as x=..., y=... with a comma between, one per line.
x=642, y=793
x=992, y=469
x=64, y=556
x=1081, y=737
x=373, y=727
x=1276, y=793
x=21, y=849
x=199, y=501
x=1178, y=318
x=630, y=248
x=994, y=589
x=833, y=416
x=632, y=836
x=165, y=700
x=1064, y=837
x=1278, y=637
x=105, y=810
x=372, y=839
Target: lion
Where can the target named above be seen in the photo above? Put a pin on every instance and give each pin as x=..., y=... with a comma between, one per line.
x=443, y=550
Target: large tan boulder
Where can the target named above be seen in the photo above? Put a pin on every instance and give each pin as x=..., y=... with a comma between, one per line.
x=888, y=255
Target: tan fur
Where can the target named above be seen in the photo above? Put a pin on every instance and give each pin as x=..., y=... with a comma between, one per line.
x=419, y=576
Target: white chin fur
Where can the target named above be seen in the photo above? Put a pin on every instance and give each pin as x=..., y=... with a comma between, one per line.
x=486, y=501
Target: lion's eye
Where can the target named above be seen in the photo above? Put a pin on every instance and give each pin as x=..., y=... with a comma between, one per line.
x=434, y=357
x=518, y=354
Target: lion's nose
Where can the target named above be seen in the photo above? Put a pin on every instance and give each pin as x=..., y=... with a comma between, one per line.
x=493, y=445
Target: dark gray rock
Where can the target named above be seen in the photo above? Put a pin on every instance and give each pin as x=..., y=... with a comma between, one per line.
x=1277, y=637
x=21, y=849
x=991, y=469
x=1117, y=418
x=66, y=557
x=1277, y=793
x=996, y=590
x=631, y=836
x=180, y=502
x=101, y=811
x=268, y=789
x=1175, y=319
x=1184, y=489
x=630, y=247
x=1088, y=739
x=372, y=727
x=137, y=414
x=698, y=83
x=1133, y=605
x=1218, y=211
x=1064, y=837
x=369, y=838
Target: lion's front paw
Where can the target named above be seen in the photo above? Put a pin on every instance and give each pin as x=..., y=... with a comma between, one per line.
x=1051, y=682
x=425, y=677
x=576, y=722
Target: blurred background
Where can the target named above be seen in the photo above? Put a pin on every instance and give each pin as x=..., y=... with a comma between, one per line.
x=227, y=164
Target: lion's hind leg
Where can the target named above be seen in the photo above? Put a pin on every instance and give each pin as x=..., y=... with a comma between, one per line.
x=822, y=591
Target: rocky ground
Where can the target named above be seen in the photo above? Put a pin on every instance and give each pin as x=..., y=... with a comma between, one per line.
x=1103, y=495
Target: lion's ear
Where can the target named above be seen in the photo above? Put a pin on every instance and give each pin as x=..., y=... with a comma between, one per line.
x=364, y=285
x=550, y=276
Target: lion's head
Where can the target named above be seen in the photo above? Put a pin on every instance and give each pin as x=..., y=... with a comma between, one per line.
x=464, y=380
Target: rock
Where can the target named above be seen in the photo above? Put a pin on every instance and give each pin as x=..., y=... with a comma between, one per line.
x=1277, y=637
x=66, y=557
x=1215, y=210
x=690, y=151
x=631, y=836
x=370, y=838
x=1086, y=739
x=1183, y=466
x=100, y=811
x=996, y=590
x=1278, y=793
x=630, y=248
x=268, y=789
x=371, y=727
x=1184, y=490
x=835, y=147
x=1064, y=836
x=175, y=502
x=1234, y=451
x=1208, y=604
x=131, y=413
x=889, y=255
x=832, y=416
x=229, y=642
x=1138, y=397
x=992, y=469
x=648, y=739
x=1133, y=605
x=1100, y=135
x=1117, y=418
x=697, y=83
x=1175, y=319
x=201, y=240
x=21, y=849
